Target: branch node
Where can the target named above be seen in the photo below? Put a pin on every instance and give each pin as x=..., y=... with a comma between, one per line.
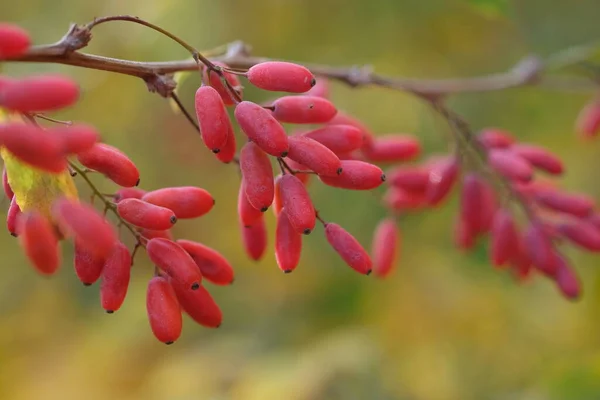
x=358, y=76
x=238, y=49
x=529, y=69
x=163, y=84
x=76, y=38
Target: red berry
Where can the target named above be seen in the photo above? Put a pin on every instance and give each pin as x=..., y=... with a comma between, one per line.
x=588, y=120
x=39, y=93
x=393, y=148
x=246, y=212
x=38, y=240
x=303, y=109
x=341, y=118
x=227, y=153
x=213, y=266
x=510, y=165
x=87, y=266
x=212, y=118
x=472, y=203
x=164, y=313
x=567, y=280
x=348, y=248
x=575, y=204
x=115, y=278
x=281, y=76
x=14, y=41
x=442, y=177
x=75, y=138
x=495, y=138
x=338, y=138
x=385, y=247
x=402, y=200
x=257, y=174
x=262, y=128
x=184, y=201
x=254, y=239
x=539, y=248
x=112, y=163
x=146, y=215
x=582, y=233
x=199, y=305
x=174, y=261
x=315, y=156
x=411, y=179
x=298, y=205
x=539, y=158
x=12, y=216
x=215, y=82
x=288, y=244
x=356, y=175
x=464, y=237
x=505, y=239
x=6, y=186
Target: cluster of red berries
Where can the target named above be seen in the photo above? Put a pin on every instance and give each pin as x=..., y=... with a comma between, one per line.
x=336, y=147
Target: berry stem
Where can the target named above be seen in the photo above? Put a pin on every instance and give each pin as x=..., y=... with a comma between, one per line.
x=184, y=111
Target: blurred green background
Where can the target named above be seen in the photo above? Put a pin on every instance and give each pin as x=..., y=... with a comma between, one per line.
x=444, y=326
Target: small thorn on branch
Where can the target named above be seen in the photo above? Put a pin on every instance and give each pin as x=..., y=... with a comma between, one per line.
x=163, y=84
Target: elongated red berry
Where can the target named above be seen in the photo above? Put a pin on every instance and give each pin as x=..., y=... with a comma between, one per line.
x=281, y=76
x=174, y=261
x=14, y=41
x=315, y=156
x=212, y=118
x=128, y=193
x=402, y=200
x=588, y=120
x=116, y=275
x=298, y=205
x=510, y=165
x=75, y=138
x=348, y=248
x=385, y=247
x=39, y=93
x=393, y=148
x=199, y=305
x=567, y=280
x=257, y=174
x=342, y=118
x=14, y=211
x=472, y=202
x=213, y=266
x=262, y=128
x=38, y=240
x=495, y=138
x=6, y=186
x=505, y=239
x=442, y=177
x=247, y=214
x=89, y=228
x=33, y=146
x=184, y=201
x=338, y=138
x=164, y=313
x=87, y=266
x=464, y=237
x=576, y=204
x=582, y=233
x=411, y=179
x=356, y=175
x=539, y=158
x=215, y=82
x=227, y=153
x=146, y=215
x=520, y=260
x=539, y=248
x=303, y=109
x=112, y=163
x=288, y=244
x=254, y=239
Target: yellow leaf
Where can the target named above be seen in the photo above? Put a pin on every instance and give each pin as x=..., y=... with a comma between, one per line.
x=34, y=189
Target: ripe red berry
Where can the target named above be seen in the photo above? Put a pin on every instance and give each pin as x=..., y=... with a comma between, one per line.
x=246, y=212
x=146, y=215
x=582, y=233
x=38, y=240
x=34, y=146
x=6, y=186
x=539, y=248
x=338, y=138
x=442, y=177
x=567, y=280
x=356, y=175
x=39, y=93
x=281, y=76
x=385, y=248
x=257, y=174
x=227, y=153
x=505, y=239
x=128, y=193
x=75, y=138
x=393, y=148
x=403, y=200
x=298, y=205
x=341, y=118
x=472, y=202
x=539, y=158
x=212, y=118
x=464, y=237
x=12, y=216
x=199, y=305
x=575, y=204
x=116, y=274
x=495, y=138
x=14, y=41
x=510, y=165
x=262, y=128
x=411, y=178
x=588, y=120
x=88, y=227
x=303, y=109
x=164, y=313
x=213, y=266
x=315, y=156
x=184, y=201
x=348, y=248
x=112, y=163
x=174, y=261
x=215, y=82
x=87, y=266
x=254, y=238
x=288, y=244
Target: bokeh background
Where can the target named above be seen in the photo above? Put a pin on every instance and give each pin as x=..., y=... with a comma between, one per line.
x=446, y=325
